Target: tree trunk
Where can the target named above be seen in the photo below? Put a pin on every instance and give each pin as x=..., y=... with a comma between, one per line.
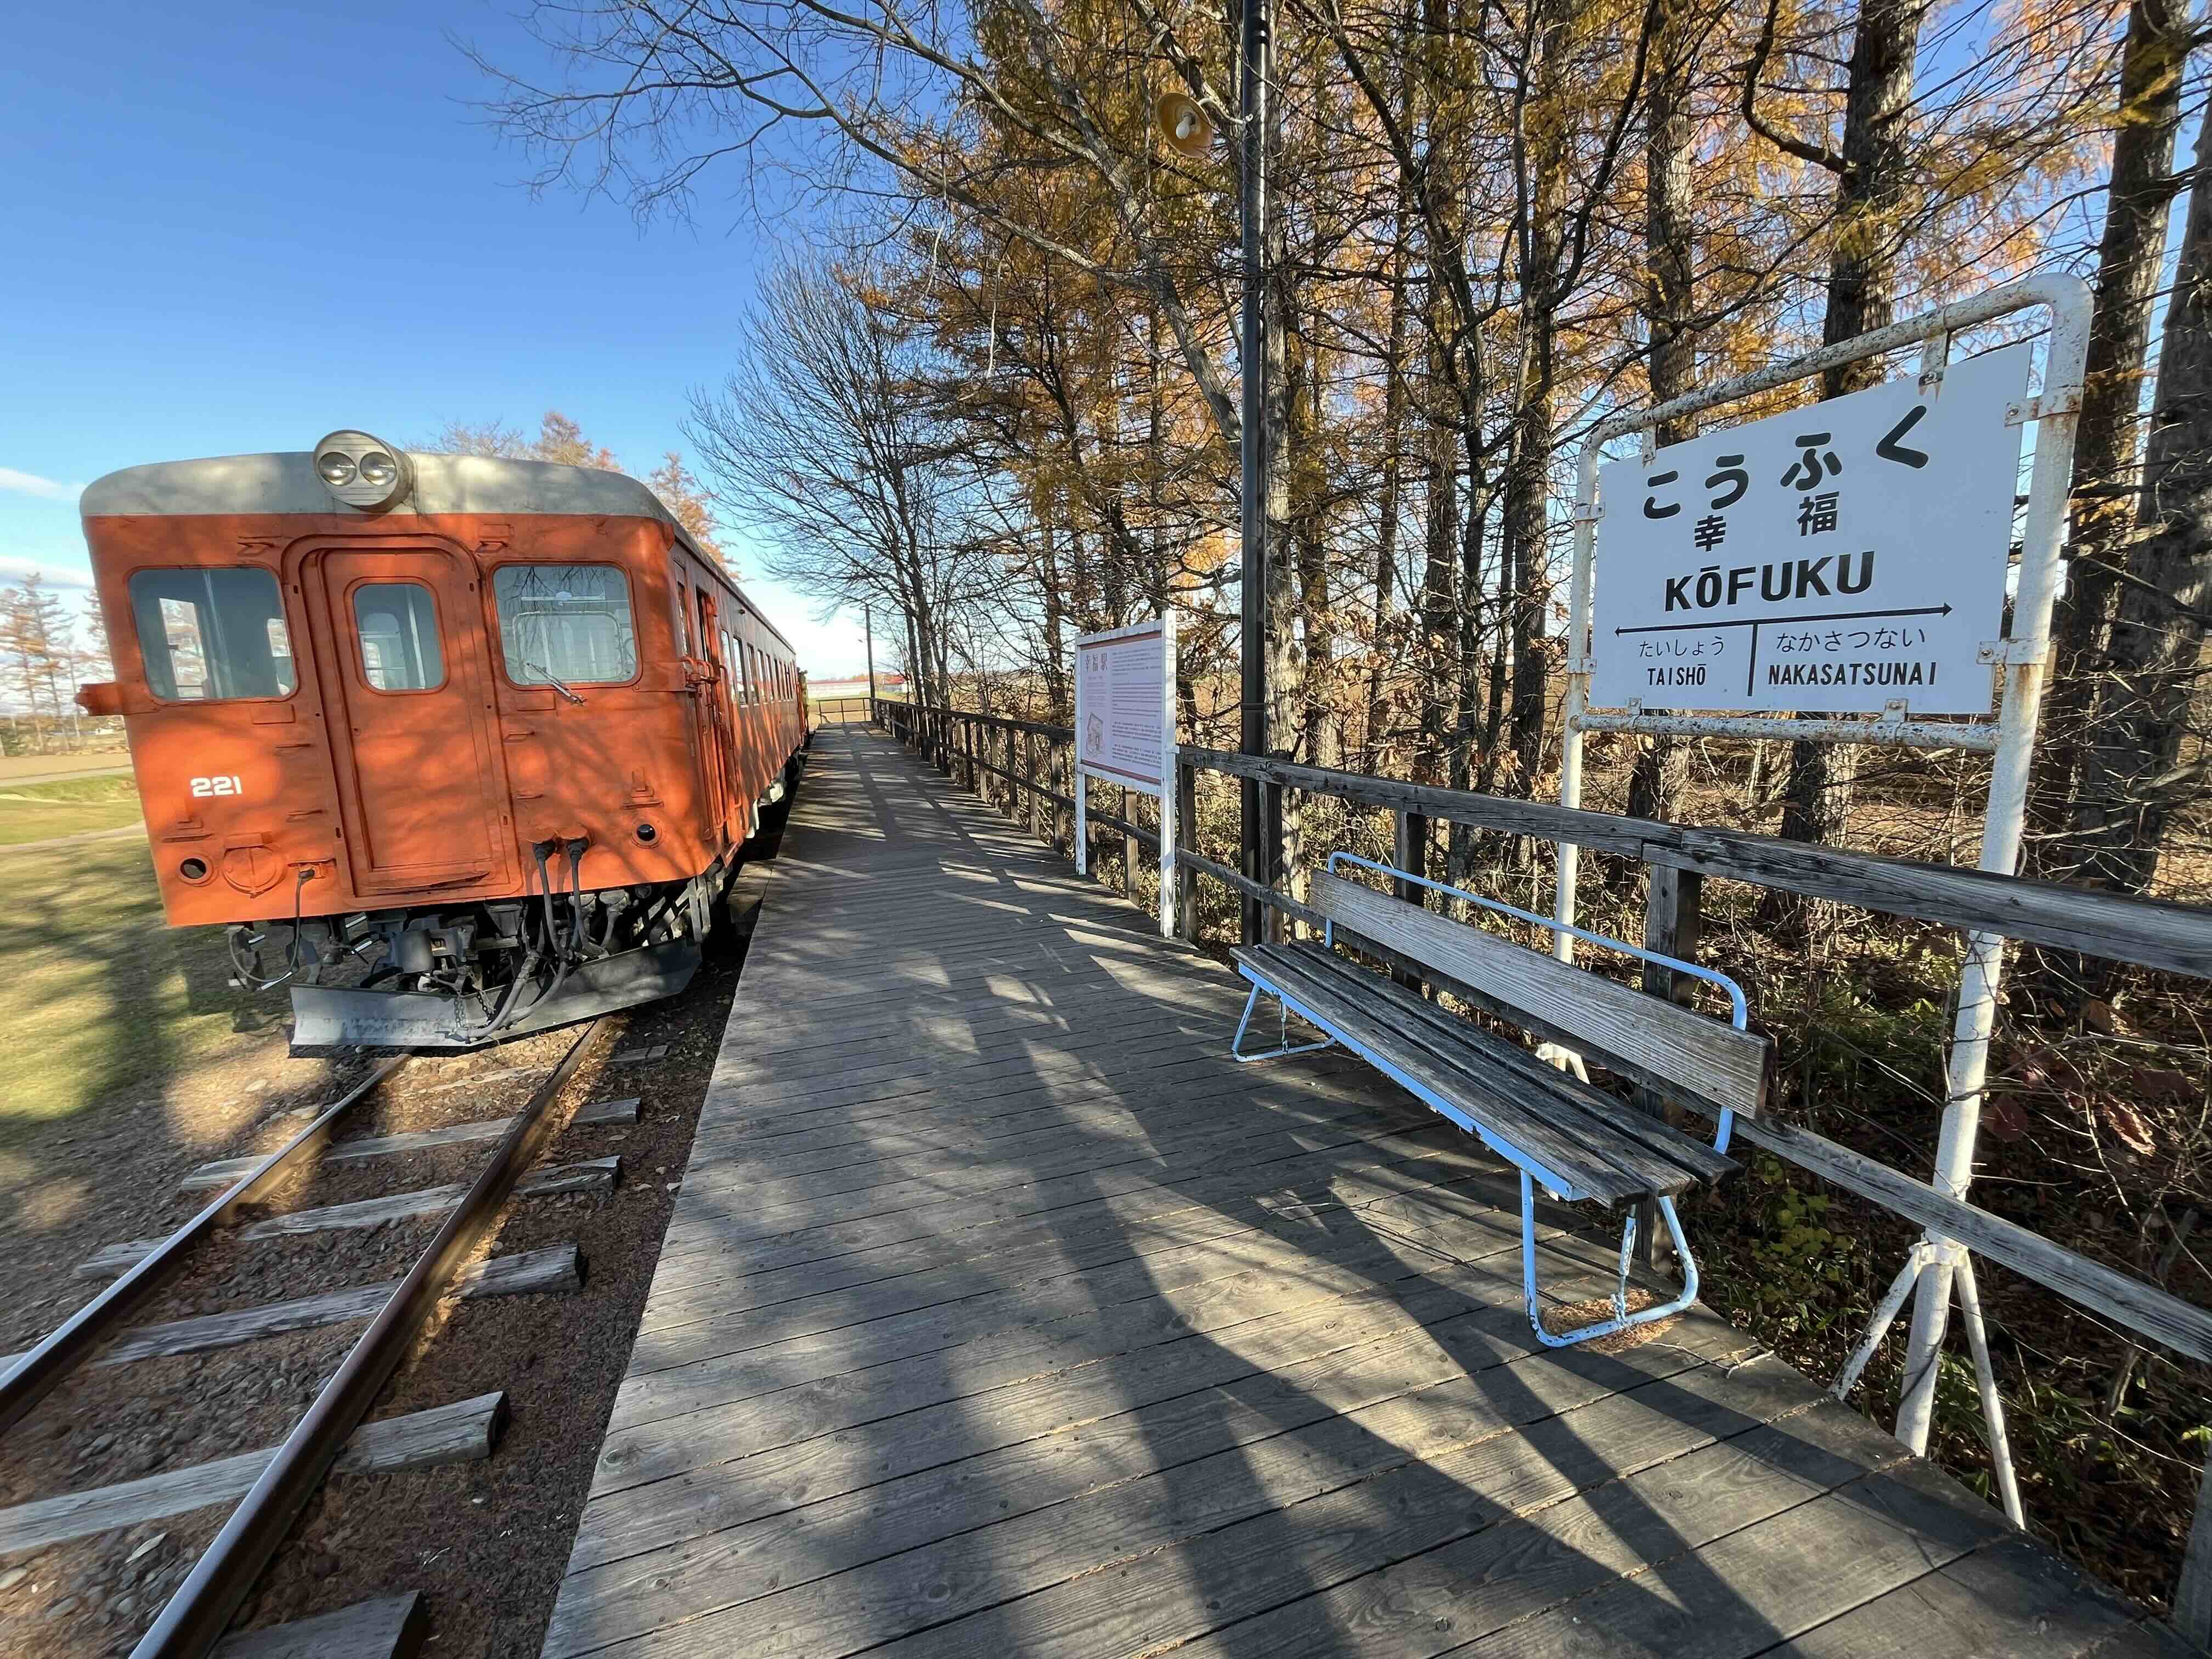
x=2128, y=262
x=1661, y=765
x=1527, y=518
x=2132, y=781
x=1318, y=745
x=1870, y=211
x=1387, y=504
x=1286, y=656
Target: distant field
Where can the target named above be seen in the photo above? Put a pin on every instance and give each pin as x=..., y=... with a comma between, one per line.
x=102, y=995
x=41, y=811
x=40, y=765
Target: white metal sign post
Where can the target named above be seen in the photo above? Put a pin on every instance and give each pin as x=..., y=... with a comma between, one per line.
x=1907, y=537
x=1124, y=733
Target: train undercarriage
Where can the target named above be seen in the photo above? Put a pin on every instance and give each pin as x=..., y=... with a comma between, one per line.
x=464, y=976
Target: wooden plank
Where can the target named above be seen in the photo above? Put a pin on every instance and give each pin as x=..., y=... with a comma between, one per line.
x=390, y=1627
x=1718, y=1061
x=464, y=1432
x=1590, y=1172
x=2141, y=1308
x=528, y=1274
x=1198, y=1083
x=2192, y=1596
x=736, y=1354
x=1487, y=1051
x=1042, y=1148
x=926, y=1277
x=1270, y=1169
x=667, y=1421
x=223, y=1171
x=1754, y=1588
x=971, y=1469
x=1499, y=1067
x=1468, y=1200
x=2151, y=933
x=2012, y=1598
x=1039, y=1187
x=1490, y=1577
x=734, y=1491
x=598, y=1174
x=1094, y=1577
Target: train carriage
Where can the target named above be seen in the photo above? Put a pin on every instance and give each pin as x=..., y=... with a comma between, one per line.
x=457, y=747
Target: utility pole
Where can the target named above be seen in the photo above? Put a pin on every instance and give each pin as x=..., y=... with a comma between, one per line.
x=868, y=622
x=1252, y=111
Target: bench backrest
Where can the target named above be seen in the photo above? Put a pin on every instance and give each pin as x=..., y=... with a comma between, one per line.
x=1668, y=1044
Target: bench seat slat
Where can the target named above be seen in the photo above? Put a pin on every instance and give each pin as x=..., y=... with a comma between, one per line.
x=1471, y=1045
x=1729, y=1067
x=1587, y=1168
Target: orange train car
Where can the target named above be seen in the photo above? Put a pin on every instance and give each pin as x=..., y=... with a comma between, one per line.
x=456, y=747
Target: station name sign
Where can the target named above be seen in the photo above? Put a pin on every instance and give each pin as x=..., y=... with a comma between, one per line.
x=1837, y=559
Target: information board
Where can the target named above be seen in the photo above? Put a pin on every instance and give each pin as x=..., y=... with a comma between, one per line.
x=1836, y=559
x=1121, y=692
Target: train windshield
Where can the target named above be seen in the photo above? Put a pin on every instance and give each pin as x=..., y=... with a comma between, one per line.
x=212, y=634
x=566, y=624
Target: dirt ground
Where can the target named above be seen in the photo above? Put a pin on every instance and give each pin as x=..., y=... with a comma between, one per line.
x=485, y=1543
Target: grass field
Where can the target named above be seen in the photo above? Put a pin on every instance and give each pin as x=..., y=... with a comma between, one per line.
x=103, y=996
x=41, y=811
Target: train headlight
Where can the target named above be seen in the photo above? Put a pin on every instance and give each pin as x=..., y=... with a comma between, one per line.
x=362, y=470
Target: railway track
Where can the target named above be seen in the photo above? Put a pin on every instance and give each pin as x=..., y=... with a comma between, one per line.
x=271, y=1203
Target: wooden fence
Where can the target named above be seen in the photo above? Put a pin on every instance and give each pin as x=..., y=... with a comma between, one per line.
x=1033, y=761
x=841, y=711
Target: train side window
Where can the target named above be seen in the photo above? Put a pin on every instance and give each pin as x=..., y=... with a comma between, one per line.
x=397, y=622
x=208, y=634
x=565, y=622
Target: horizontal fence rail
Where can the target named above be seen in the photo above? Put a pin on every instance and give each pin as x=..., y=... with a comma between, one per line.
x=2147, y=932
x=2150, y=932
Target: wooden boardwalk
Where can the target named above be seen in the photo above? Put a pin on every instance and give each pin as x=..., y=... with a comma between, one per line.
x=1002, y=1314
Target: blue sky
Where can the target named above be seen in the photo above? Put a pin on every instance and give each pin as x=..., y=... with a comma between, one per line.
x=229, y=229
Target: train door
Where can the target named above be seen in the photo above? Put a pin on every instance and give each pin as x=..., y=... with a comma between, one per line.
x=718, y=738
x=401, y=651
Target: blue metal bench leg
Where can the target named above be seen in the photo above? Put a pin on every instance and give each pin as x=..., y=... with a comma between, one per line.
x=1622, y=1319
x=1283, y=1031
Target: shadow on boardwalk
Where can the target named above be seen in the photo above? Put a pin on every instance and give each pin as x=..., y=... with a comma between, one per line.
x=1003, y=1314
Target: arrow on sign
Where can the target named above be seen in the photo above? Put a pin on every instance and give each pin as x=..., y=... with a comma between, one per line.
x=1761, y=621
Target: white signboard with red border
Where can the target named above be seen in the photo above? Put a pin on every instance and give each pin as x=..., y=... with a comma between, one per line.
x=1125, y=731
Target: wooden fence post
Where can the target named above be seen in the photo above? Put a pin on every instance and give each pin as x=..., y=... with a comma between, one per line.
x=1186, y=839
x=2192, y=1598
x=1674, y=918
x=1410, y=852
x=1129, y=843
x=1037, y=788
x=1270, y=846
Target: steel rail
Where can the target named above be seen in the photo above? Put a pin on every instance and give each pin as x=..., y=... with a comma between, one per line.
x=198, y=1613
x=73, y=1341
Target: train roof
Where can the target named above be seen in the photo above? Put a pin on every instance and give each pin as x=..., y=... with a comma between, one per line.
x=286, y=481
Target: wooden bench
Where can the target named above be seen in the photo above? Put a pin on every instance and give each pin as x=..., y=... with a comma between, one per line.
x=1573, y=1139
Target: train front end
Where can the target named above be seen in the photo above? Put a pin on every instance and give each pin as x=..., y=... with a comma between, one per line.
x=414, y=730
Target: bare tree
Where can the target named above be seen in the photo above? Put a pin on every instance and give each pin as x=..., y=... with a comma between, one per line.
x=824, y=443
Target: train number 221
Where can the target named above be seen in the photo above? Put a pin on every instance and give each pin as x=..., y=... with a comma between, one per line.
x=229, y=786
